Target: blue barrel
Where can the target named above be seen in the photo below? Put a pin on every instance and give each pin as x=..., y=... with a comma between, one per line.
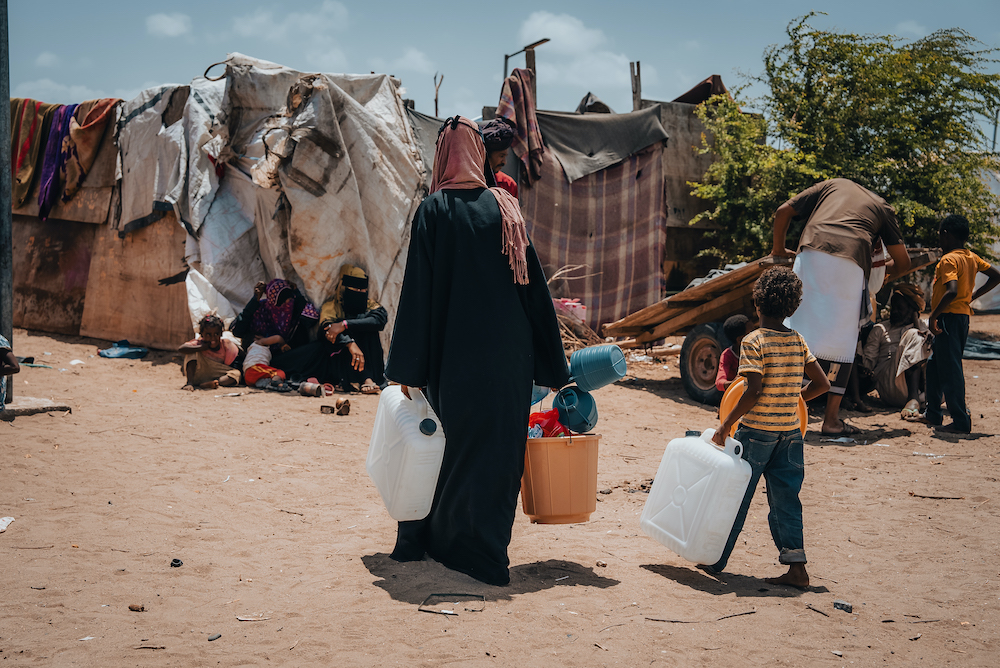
x=594, y=367
x=577, y=409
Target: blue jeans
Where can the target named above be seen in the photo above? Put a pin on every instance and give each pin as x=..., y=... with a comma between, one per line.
x=945, y=375
x=777, y=455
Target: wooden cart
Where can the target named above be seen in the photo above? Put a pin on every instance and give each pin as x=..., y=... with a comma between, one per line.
x=699, y=312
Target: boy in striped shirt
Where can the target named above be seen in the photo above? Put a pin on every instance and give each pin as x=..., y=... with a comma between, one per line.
x=772, y=359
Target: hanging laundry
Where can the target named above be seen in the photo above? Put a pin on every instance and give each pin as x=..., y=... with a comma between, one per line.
x=29, y=130
x=50, y=187
x=86, y=131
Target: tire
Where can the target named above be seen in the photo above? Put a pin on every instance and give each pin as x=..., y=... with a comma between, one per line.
x=700, y=362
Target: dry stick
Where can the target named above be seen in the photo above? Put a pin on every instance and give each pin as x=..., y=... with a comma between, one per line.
x=942, y=498
x=612, y=626
x=810, y=606
x=39, y=547
x=296, y=643
x=291, y=512
x=699, y=621
x=151, y=647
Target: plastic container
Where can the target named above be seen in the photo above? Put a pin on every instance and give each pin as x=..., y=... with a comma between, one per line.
x=594, y=367
x=403, y=462
x=577, y=409
x=538, y=393
x=696, y=496
x=559, y=485
x=732, y=395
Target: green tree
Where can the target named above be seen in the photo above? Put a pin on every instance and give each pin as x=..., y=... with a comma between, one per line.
x=901, y=118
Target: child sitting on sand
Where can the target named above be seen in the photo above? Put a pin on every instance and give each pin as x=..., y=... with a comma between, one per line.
x=257, y=369
x=772, y=359
x=209, y=358
x=735, y=328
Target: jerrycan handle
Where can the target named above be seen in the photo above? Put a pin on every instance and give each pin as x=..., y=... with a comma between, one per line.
x=427, y=425
x=733, y=447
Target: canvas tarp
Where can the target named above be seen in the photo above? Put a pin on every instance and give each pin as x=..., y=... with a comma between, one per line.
x=612, y=222
x=585, y=144
x=321, y=170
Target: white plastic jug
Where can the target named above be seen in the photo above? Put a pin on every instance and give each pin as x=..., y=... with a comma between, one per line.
x=403, y=462
x=695, y=497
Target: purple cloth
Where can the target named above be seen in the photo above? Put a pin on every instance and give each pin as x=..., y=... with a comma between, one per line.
x=278, y=318
x=50, y=188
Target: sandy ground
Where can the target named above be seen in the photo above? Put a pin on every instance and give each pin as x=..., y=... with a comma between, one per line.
x=267, y=502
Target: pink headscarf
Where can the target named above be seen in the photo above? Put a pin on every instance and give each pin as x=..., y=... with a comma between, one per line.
x=459, y=163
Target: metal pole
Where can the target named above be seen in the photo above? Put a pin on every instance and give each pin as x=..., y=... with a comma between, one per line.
x=996, y=119
x=6, y=252
x=529, y=62
x=505, y=66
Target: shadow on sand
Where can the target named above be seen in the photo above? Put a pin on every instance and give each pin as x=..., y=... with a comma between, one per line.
x=411, y=582
x=727, y=583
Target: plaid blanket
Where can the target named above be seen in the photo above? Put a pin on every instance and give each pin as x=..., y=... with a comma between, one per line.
x=613, y=222
x=517, y=103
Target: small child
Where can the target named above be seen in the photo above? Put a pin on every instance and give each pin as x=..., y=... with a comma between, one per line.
x=772, y=359
x=209, y=358
x=954, y=281
x=257, y=369
x=8, y=367
x=735, y=328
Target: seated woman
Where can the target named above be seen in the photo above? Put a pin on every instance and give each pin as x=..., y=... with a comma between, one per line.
x=350, y=311
x=897, y=349
x=279, y=313
x=209, y=358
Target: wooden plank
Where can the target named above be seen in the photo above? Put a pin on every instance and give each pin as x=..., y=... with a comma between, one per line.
x=660, y=312
x=124, y=299
x=704, y=313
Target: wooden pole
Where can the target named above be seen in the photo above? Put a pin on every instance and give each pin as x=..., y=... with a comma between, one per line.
x=636, y=85
x=437, y=87
x=6, y=237
x=529, y=61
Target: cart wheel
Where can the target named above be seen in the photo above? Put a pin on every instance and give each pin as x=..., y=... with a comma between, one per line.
x=700, y=355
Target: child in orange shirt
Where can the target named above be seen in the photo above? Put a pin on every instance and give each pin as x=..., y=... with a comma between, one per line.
x=954, y=281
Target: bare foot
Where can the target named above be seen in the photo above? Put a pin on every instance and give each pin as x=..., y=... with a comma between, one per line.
x=189, y=387
x=210, y=385
x=227, y=381
x=795, y=577
x=842, y=429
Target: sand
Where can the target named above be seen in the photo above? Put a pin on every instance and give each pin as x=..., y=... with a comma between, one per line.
x=267, y=503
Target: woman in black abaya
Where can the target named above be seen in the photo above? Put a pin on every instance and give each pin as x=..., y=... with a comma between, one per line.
x=469, y=254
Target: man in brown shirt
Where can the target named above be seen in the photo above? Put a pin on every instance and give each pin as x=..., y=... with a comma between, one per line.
x=834, y=261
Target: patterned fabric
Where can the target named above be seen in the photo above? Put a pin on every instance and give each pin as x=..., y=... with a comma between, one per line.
x=50, y=187
x=959, y=265
x=29, y=130
x=517, y=103
x=780, y=357
x=86, y=130
x=613, y=222
x=274, y=318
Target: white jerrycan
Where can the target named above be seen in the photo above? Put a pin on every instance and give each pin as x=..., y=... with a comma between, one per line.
x=696, y=496
x=405, y=453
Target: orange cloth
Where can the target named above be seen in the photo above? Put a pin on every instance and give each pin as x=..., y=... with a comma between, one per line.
x=959, y=265
x=258, y=371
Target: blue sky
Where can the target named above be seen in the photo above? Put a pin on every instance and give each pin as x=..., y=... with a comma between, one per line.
x=65, y=51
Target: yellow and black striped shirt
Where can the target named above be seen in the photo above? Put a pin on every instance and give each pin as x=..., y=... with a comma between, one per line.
x=780, y=357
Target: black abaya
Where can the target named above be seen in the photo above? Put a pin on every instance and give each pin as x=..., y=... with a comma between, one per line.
x=476, y=340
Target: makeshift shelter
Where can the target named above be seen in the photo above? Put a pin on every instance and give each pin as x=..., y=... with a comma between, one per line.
x=614, y=198
x=265, y=172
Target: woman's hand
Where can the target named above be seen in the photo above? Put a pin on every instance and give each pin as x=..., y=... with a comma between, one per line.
x=357, y=357
x=259, y=289
x=333, y=330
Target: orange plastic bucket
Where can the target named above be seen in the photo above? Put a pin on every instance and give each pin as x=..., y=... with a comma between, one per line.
x=732, y=396
x=559, y=485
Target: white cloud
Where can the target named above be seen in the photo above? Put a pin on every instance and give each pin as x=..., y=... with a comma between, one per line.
x=911, y=27
x=50, y=91
x=312, y=32
x=412, y=60
x=168, y=25
x=578, y=57
x=47, y=59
